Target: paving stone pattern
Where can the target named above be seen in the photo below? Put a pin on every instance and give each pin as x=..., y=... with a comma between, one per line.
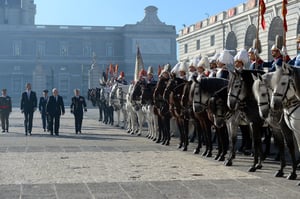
x=106, y=162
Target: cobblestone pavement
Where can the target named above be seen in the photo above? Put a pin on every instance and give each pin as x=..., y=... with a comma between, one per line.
x=106, y=162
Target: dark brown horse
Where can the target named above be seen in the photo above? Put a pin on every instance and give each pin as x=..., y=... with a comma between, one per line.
x=172, y=95
x=200, y=94
x=163, y=112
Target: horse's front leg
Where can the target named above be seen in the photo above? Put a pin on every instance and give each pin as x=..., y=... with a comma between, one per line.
x=140, y=115
x=232, y=128
x=258, y=155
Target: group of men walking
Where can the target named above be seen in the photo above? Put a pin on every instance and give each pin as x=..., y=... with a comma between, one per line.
x=50, y=107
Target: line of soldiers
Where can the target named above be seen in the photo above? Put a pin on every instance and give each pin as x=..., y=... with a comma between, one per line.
x=50, y=107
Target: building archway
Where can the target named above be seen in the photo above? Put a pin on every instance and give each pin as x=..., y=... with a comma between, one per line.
x=276, y=28
x=231, y=43
x=250, y=36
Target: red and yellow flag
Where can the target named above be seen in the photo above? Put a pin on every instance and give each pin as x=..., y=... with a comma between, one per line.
x=262, y=12
x=284, y=12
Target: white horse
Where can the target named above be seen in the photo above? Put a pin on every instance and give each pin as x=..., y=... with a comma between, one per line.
x=262, y=89
x=131, y=116
x=118, y=101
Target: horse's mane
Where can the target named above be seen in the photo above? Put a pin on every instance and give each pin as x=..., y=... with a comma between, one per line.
x=212, y=84
x=248, y=79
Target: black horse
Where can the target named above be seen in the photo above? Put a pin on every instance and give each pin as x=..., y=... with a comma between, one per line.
x=202, y=91
x=162, y=111
x=172, y=94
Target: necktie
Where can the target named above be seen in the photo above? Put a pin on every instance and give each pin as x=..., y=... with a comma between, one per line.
x=28, y=94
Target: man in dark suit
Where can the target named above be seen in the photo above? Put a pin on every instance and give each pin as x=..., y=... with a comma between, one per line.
x=28, y=106
x=78, y=105
x=55, y=108
x=42, y=109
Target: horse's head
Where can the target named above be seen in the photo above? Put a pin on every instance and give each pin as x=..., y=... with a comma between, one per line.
x=262, y=91
x=284, y=88
x=236, y=90
x=174, y=85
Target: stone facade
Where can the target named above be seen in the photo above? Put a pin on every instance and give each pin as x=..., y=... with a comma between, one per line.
x=61, y=56
x=236, y=28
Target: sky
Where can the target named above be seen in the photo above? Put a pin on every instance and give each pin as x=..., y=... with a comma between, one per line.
x=122, y=12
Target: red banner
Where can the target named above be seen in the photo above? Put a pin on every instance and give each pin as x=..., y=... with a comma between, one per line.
x=262, y=12
x=284, y=12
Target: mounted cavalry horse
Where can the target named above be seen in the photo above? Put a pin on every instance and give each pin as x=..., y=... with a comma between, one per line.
x=149, y=109
x=201, y=92
x=163, y=112
x=136, y=102
x=117, y=98
x=173, y=94
x=263, y=87
x=241, y=98
x=284, y=98
x=96, y=96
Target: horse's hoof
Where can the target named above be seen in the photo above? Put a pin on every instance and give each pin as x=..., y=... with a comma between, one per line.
x=292, y=176
x=252, y=169
x=221, y=159
x=167, y=143
x=179, y=146
x=209, y=155
x=228, y=163
x=163, y=143
x=196, y=151
x=217, y=157
x=184, y=149
x=258, y=166
x=139, y=134
x=204, y=153
x=154, y=139
x=132, y=133
x=117, y=125
x=157, y=141
x=279, y=173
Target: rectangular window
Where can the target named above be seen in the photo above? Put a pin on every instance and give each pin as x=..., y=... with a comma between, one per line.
x=198, y=44
x=17, y=45
x=87, y=49
x=185, y=48
x=40, y=48
x=109, y=49
x=63, y=49
x=212, y=40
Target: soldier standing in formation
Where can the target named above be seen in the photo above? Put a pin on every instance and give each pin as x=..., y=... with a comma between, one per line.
x=5, y=110
x=42, y=109
x=78, y=105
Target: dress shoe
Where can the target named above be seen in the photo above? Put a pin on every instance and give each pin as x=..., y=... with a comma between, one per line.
x=3, y=131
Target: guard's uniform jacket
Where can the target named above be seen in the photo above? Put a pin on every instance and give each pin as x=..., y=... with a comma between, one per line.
x=5, y=109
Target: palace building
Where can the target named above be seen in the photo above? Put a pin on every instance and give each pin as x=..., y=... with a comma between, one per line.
x=236, y=28
x=69, y=57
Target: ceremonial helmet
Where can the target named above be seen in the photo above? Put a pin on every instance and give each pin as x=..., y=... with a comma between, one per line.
x=226, y=57
x=242, y=56
x=122, y=74
x=143, y=73
x=204, y=62
x=150, y=70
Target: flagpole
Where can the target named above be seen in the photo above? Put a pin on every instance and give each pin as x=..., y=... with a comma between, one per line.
x=284, y=12
x=257, y=36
